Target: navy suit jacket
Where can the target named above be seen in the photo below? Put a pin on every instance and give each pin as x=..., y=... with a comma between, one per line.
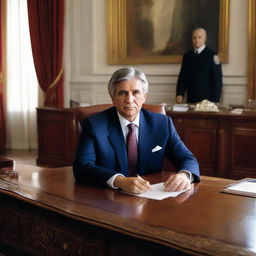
x=102, y=152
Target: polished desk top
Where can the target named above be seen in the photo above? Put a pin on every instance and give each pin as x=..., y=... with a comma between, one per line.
x=202, y=222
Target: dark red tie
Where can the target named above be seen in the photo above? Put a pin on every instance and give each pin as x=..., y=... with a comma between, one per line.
x=132, y=149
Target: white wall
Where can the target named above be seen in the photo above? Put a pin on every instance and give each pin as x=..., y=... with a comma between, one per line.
x=87, y=71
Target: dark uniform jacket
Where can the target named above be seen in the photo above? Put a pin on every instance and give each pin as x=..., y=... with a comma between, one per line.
x=200, y=76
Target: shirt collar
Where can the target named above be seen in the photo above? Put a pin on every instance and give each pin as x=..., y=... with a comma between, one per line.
x=200, y=49
x=124, y=122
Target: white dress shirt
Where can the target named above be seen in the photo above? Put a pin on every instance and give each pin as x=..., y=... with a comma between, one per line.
x=124, y=122
x=200, y=49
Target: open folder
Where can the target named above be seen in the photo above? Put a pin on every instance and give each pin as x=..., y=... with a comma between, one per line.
x=244, y=187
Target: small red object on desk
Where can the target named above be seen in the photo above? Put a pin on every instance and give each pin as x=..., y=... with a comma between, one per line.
x=6, y=162
x=7, y=167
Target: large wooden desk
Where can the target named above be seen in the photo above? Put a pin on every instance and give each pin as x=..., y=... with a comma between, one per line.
x=44, y=212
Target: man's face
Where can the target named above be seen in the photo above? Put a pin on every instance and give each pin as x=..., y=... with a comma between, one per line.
x=198, y=38
x=128, y=98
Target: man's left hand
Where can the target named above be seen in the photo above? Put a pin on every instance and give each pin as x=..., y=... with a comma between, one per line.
x=177, y=182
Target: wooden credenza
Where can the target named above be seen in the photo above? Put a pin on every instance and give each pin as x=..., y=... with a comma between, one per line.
x=224, y=143
x=57, y=137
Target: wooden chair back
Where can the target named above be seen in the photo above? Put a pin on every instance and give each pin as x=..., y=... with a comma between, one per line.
x=83, y=112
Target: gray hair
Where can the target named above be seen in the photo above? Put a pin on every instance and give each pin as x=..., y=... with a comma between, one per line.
x=202, y=30
x=127, y=73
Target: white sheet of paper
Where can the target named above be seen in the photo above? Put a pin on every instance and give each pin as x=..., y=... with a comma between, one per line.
x=180, y=107
x=157, y=192
x=246, y=186
x=237, y=111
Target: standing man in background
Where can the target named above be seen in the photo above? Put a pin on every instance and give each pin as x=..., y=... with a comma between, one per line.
x=200, y=75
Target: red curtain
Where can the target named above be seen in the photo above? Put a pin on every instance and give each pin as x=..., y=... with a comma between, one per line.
x=2, y=62
x=46, y=23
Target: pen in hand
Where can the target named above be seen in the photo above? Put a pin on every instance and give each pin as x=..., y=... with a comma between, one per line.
x=149, y=188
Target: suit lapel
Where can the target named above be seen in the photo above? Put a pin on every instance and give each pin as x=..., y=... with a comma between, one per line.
x=116, y=138
x=145, y=143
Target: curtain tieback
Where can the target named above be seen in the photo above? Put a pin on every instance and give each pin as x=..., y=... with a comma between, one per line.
x=56, y=80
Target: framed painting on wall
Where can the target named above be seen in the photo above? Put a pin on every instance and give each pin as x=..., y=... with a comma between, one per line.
x=159, y=31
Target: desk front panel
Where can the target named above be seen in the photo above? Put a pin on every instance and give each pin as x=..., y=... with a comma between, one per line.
x=36, y=231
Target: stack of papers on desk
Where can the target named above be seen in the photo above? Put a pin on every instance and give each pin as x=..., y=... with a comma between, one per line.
x=157, y=192
x=245, y=187
x=180, y=107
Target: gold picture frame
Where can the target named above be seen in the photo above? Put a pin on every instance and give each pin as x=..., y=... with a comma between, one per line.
x=122, y=16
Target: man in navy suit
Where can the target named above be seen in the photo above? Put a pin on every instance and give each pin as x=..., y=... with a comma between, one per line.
x=101, y=159
x=200, y=75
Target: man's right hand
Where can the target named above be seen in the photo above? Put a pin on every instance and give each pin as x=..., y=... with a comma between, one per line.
x=179, y=99
x=135, y=185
